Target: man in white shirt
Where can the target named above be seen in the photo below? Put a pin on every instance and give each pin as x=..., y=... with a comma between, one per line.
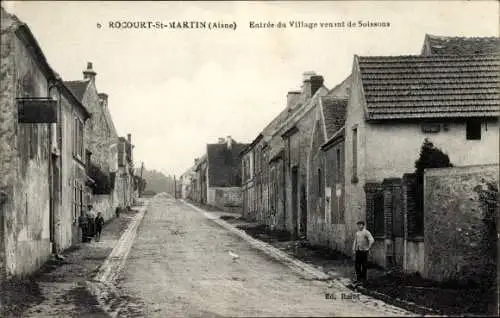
x=363, y=241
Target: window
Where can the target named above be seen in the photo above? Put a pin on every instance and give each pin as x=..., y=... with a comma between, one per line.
x=355, y=154
x=78, y=138
x=473, y=129
x=76, y=211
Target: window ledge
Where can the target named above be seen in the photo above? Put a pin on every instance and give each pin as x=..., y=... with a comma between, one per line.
x=379, y=237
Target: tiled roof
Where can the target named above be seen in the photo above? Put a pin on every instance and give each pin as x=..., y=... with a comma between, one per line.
x=448, y=45
x=339, y=134
x=224, y=168
x=78, y=88
x=430, y=86
x=334, y=111
x=251, y=145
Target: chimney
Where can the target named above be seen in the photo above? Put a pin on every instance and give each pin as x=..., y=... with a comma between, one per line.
x=129, y=138
x=89, y=72
x=196, y=160
x=229, y=142
x=222, y=141
x=103, y=97
x=311, y=83
x=292, y=98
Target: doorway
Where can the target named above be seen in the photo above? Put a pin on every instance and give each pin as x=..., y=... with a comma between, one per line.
x=54, y=200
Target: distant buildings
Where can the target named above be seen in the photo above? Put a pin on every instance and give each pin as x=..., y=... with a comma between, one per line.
x=59, y=153
x=215, y=178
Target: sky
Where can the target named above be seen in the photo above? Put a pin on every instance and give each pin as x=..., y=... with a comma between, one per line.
x=175, y=90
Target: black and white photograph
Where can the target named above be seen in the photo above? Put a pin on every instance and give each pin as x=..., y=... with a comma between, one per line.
x=249, y=158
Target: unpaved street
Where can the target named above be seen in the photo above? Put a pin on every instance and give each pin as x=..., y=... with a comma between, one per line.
x=180, y=265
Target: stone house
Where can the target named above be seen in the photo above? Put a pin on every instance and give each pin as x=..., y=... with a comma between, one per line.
x=275, y=165
x=38, y=141
x=102, y=142
x=125, y=188
x=188, y=181
x=75, y=183
x=199, y=181
x=326, y=166
x=395, y=103
x=219, y=175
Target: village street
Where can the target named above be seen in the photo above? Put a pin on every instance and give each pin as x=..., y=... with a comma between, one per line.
x=180, y=265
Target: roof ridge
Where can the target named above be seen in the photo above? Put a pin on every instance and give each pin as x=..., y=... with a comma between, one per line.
x=431, y=57
x=78, y=81
x=440, y=37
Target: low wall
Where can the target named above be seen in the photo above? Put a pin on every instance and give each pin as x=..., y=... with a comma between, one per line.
x=228, y=199
x=459, y=240
x=333, y=236
x=103, y=203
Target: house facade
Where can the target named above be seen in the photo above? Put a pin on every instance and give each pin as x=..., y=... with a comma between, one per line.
x=217, y=180
x=275, y=165
x=397, y=102
x=75, y=184
x=111, y=173
x=42, y=154
x=326, y=165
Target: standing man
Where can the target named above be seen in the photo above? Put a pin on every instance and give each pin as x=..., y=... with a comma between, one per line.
x=361, y=246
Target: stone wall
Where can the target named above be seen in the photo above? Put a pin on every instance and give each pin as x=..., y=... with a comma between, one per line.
x=316, y=200
x=299, y=149
x=8, y=138
x=25, y=152
x=459, y=240
x=228, y=199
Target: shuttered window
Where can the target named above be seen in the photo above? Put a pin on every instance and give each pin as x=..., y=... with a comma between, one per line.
x=378, y=213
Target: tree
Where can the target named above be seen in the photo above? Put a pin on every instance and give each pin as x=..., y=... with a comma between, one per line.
x=104, y=183
x=430, y=157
